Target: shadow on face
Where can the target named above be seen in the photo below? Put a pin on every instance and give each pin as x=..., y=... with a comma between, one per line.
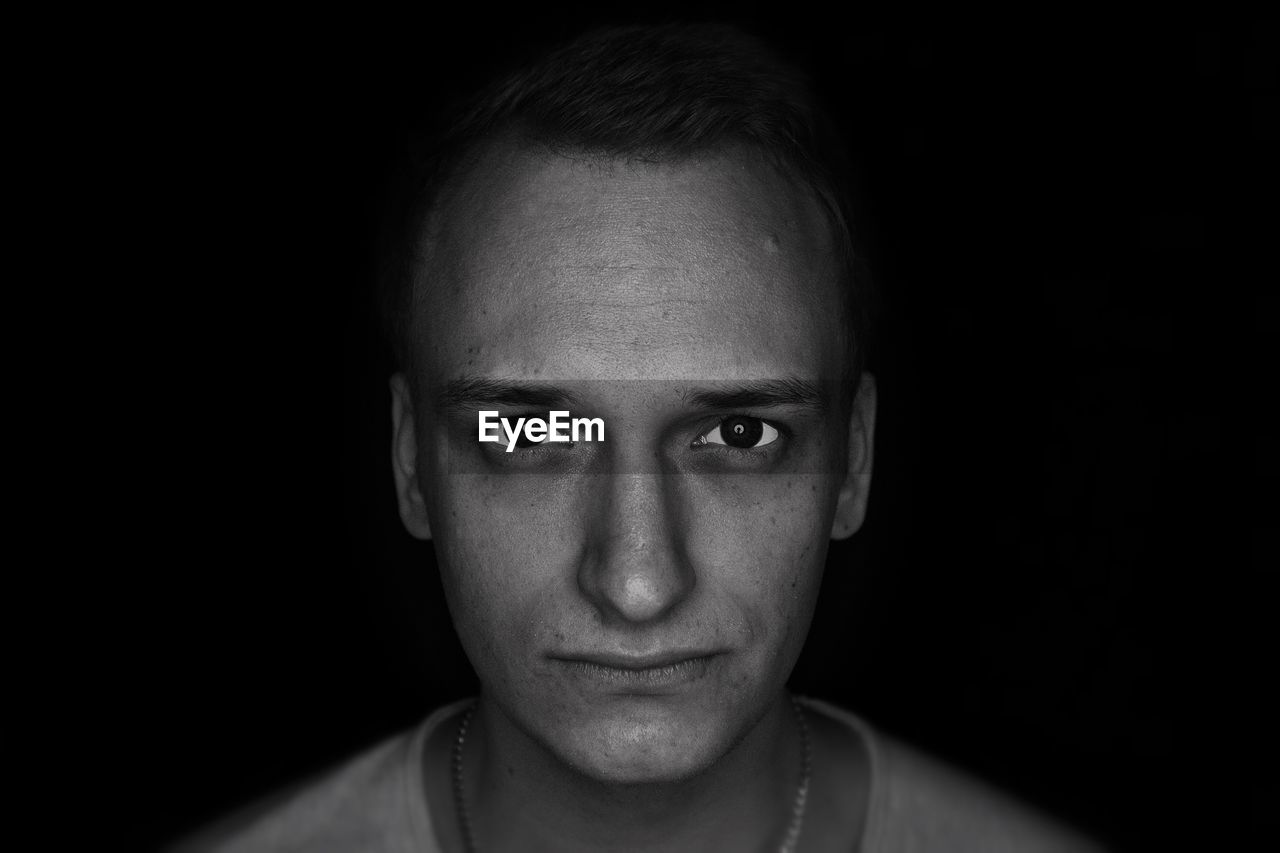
x=635, y=604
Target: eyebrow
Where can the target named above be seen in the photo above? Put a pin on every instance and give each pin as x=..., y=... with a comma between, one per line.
x=798, y=393
x=468, y=391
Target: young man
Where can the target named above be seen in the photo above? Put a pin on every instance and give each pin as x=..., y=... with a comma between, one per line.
x=645, y=229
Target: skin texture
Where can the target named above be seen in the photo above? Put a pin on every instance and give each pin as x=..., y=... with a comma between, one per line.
x=631, y=287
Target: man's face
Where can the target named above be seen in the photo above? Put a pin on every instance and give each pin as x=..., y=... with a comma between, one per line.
x=634, y=606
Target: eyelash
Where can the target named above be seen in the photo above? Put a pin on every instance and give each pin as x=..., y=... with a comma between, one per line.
x=780, y=432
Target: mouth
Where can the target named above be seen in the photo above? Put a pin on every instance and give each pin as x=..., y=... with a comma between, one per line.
x=640, y=673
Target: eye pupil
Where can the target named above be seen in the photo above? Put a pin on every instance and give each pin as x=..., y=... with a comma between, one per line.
x=741, y=432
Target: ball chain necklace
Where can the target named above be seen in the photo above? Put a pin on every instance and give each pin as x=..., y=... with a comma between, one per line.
x=797, y=807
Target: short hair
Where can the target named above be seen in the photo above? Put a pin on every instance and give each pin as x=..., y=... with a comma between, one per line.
x=639, y=92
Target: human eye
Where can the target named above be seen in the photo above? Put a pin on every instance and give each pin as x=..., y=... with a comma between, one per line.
x=740, y=432
x=516, y=450
x=523, y=442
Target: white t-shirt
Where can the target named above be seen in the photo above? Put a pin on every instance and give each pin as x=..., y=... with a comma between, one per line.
x=376, y=803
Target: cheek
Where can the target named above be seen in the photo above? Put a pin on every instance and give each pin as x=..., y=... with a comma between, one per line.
x=509, y=546
x=765, y=538
x=502, y=542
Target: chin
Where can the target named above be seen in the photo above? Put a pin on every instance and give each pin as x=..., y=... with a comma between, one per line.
x=637, y=749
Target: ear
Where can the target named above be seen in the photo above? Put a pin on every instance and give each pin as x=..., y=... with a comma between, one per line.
x=851, y=506
x=404, y=460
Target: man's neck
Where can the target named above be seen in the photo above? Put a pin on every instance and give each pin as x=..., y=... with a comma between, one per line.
x=522, y=797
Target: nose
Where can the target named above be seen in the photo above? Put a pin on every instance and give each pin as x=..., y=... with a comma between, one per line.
x=634, y=567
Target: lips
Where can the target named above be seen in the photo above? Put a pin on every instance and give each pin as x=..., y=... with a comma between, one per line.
x=640, y=673
x=655, y=660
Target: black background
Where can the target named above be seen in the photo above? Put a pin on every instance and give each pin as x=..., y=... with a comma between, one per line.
x=1053, y=587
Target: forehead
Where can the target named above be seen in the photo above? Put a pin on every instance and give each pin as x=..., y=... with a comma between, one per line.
x=548, y=266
